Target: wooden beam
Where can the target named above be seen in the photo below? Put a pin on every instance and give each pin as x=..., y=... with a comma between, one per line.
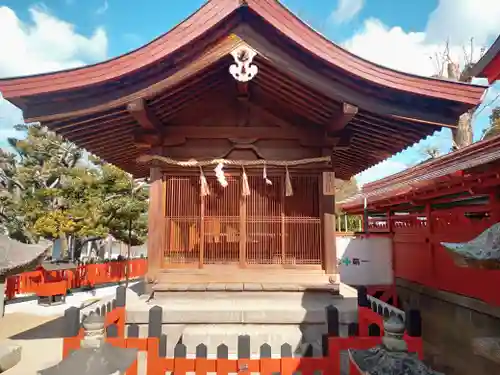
x=342, y=118
x=243, y=92
x=148, y=140
x=152, y=139
x=179, y=133
x=345, y=140
x=141, y=113
x=221, y=132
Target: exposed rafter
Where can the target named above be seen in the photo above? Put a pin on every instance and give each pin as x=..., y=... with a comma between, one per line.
x=141, y=113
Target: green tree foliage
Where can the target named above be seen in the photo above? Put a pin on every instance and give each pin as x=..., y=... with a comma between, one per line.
x=494, y=128
x=50, y=190
x=124, y=204
x=12, y=220
x=346, y=189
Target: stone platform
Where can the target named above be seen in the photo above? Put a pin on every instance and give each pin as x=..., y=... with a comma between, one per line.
x=244, y=287
x=233, y=279
x=263, y=307
x=219, y=317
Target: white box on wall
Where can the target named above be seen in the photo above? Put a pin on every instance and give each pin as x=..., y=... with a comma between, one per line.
x=365, y=260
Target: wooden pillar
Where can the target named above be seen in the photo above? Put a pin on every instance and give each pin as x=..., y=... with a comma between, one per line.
x=430, y=243
x=243, y=232
x=327, y=211
x=156, y=223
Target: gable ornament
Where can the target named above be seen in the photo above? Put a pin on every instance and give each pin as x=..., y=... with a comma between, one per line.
x=243, y=70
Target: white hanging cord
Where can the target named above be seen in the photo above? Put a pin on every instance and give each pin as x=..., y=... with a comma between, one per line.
x=288, y=183
x=204, y=190
x=245, y=188
x=264, y=176
x=219, y=173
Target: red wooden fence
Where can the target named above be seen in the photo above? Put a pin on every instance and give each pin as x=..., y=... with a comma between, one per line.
x=40, y=281
x=419, y=256
x=329, y=363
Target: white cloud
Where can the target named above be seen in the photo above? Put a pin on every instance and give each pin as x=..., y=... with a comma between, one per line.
x=415, y=52
x=10, y=115
x=45, y=44
x=346, y=10
x=456, y=21
x=459, y=20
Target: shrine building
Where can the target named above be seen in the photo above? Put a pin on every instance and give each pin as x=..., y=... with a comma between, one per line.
x=241, y=116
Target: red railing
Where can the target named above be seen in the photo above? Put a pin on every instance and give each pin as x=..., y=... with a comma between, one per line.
x=42, y=282
x=419, y=256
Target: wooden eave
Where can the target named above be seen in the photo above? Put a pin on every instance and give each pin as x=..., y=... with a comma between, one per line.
x=489, y=65
x=445, y=175
x=209, y=17
x=304, y=82
x=111, y=132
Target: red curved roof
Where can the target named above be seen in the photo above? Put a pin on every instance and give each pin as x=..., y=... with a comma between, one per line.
x=489, y=65
x=213, y=13
x=303, y=79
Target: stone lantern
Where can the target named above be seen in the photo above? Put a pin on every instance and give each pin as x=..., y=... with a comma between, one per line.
x=95, y=357
x=392, y=357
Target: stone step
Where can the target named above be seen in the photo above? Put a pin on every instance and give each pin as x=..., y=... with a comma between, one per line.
x=244, y=308
x=244, y=277
x=161, y=287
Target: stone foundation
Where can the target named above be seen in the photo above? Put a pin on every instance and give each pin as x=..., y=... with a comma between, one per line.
x=450, y=323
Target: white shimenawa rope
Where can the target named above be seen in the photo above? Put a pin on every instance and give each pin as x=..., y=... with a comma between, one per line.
x=240, y=163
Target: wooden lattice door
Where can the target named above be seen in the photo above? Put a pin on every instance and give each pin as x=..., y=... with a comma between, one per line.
x=263, y=228
x=221, y=222
x=183, y=220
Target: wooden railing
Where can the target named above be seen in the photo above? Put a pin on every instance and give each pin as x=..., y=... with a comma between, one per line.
x=365, y=334
x=88, y=275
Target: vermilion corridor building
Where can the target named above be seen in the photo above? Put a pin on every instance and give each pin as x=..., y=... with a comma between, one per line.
x=450, y=199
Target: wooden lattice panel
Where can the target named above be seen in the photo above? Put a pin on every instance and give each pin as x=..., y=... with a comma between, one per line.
x=224, y=227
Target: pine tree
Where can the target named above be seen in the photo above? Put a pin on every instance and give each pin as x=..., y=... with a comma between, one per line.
x=50, y=190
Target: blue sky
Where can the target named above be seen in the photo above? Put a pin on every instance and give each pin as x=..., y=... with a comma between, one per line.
x=404, y=35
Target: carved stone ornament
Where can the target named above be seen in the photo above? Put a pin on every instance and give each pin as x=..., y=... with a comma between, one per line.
x=243, y=70
x=392, y=357
x=480, y=252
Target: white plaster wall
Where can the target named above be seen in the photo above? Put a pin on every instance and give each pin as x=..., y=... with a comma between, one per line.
x=375, y=256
